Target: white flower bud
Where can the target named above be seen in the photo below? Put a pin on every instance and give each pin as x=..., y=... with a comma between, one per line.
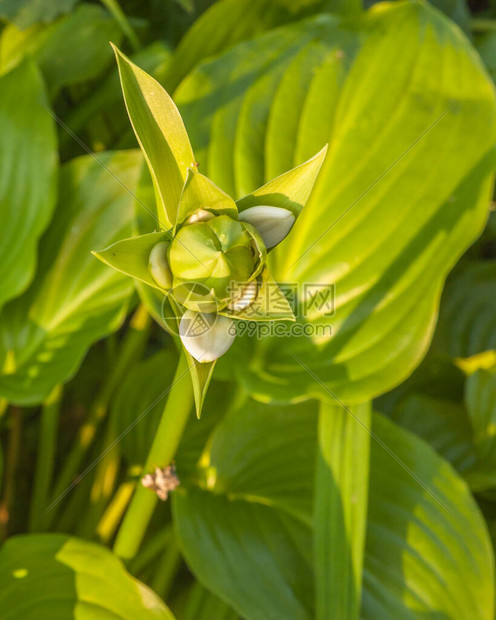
x=272, y=223
x=206, y=336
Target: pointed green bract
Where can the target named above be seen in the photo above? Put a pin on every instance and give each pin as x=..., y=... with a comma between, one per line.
x=290, y=190
x=201, y=375
x=200, y=192
x=131, y=256
x=161, y=134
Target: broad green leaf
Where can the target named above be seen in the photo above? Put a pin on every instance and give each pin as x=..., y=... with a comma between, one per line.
x=281, y=440
x=467, y=321
x=480, y=397
x=341, y=495
x=203, y=605
x=131, y=256
x=481, y=405
x=255, y=558
x=213, y=113
x=58, y=577
x=485, y=43
x=257, y=458
x=161, y=134
x=200, y=193
x=89, y=29
x=290, y=190
x=443, y=424
x=26, y=12
x=398, y=96
x=28, y=175
x=427, y=548
x=228, y=22
x=74, y=299
x=457, y=10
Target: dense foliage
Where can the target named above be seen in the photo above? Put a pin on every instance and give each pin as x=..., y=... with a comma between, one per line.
x=344, y=471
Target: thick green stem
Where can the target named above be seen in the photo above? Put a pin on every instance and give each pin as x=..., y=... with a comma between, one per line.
x=131, y=350
x=340, y=514
x=164, y=446
x=45, y=458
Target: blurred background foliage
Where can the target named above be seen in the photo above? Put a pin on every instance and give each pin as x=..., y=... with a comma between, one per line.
x=76, y=378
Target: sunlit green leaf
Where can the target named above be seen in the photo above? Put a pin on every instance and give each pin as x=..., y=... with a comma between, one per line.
x=58, y=577
x=74, y=299
x=341, y=497
x=395, y=204
x=28, y=181
x=160, y=133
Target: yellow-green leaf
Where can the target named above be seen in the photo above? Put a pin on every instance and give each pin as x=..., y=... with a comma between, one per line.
x=161, y=134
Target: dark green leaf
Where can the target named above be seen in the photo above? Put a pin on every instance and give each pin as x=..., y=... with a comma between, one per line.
x=74, y=300
x=23, y=13
x=467, y=322
x=28, y=180
x=426, y=546
x=89, y=29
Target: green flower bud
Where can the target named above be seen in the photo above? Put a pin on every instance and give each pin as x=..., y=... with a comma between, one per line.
x=207, y=257
x=158, y=264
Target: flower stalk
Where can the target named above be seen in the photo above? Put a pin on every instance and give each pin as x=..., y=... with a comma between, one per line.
x=161, y=454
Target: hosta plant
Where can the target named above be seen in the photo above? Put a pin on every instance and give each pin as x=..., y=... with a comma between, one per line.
x=290, y=218
x=210, y=259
